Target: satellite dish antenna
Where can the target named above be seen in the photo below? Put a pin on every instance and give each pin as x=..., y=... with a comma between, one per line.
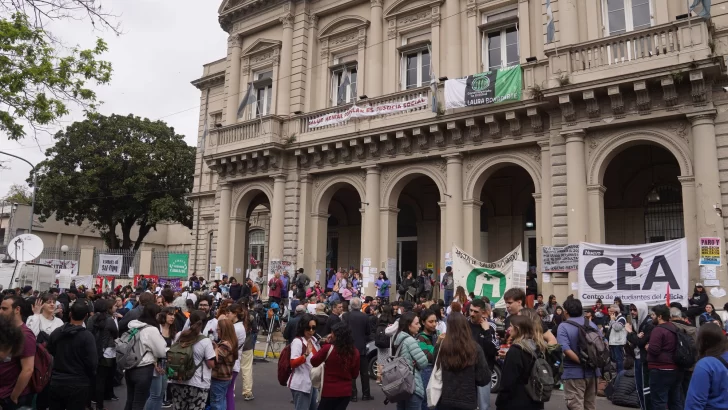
x=25, y=247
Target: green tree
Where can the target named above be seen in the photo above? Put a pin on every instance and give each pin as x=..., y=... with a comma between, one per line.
x=117, y=171
x=39, y=77
x=19, y=194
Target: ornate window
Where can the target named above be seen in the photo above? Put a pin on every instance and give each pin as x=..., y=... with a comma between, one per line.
x=415, y=60
x=260, y=66
x=344, y=71
x=500, y=46
x=263, y=86
x=342, y=43
x=621, y=16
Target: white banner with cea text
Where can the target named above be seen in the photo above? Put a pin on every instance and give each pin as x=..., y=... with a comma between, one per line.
x=490, y=279
x=367, y=111
x=634, y=273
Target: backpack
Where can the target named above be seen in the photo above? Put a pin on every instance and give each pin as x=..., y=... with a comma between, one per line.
x=284, y=365
x=593, y=350
x=42, y=369
x=555, y=357
x=181, y=361
x=381, y=340
x=129, y=349
x=685, y=351
x=428, y=284
x=398, y=378
x=541, y=380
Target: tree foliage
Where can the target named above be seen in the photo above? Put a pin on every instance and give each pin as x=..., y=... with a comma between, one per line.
x=117, y=171
x=19, y=194
x=39, y=76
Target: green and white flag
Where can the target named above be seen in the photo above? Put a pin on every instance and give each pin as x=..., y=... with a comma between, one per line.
x=177, y=264
x=504, y=84
x=490, y=279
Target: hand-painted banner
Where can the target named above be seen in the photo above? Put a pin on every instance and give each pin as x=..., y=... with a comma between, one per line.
x=490, y=87
x=634, y=273
x=110, y=264
x=367, y=111
x=174, y=283
x=59, y=264
x=177, y=265
x=490, y=279
x=559, y=258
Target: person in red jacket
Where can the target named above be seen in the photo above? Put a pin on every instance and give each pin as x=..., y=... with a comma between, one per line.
x=275, y=287
x=600, y=313
x=342, y=366
x=665, y=375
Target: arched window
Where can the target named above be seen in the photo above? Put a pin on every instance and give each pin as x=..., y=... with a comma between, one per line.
x=664, y=214
x=256, y=248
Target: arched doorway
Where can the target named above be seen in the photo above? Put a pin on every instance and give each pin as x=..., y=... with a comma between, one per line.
x=343, y=232
x=643, y=201
x=508, y=214
x=418, y=226
x=250, y=231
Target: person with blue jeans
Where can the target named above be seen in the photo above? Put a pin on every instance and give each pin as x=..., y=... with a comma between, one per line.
x=157, y=390
x=617, y=336
x=665, y=375
x=303, y=348
x=448, y=285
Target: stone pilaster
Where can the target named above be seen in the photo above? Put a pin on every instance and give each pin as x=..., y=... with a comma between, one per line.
x=374, y=53
x=370, y=227
x=223, y=228
x=576, y=191
x=596, y=213
x=454, y=201
x=277, y=218
x=283, y=87
x=232, y=79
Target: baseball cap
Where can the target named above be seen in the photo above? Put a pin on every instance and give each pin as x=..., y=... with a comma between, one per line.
x=699, y=285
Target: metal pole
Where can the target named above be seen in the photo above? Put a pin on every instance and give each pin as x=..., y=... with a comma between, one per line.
x=35, y=188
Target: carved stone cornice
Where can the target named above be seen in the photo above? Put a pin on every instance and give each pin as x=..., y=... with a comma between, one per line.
x=313, y=21
x=376, y=3
x=494, y=125
x=421, y=135
x=389, y=146
x=436, y=131
x=473, y=130
x=617, y=103
x=567, y=108
x=669, y=93
x=234, y=41
x=456, y=134
x=406, y=141
x=592, y=105
x=373, y=145
x=536, y=119
x=358, y=149
x=515, y=123
x=643, y=97
x=697, y=86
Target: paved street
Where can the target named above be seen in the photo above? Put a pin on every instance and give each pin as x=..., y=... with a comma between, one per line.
x=269, y=395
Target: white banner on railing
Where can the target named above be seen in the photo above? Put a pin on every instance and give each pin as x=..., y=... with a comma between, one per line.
x=367, y=111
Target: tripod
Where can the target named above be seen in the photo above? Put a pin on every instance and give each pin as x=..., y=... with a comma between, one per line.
x=269, y=338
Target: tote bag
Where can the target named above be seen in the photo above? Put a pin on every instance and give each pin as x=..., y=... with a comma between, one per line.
x=434, y=386
x=317, y=374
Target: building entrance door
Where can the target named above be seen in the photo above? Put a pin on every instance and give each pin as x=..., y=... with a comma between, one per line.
x=530, y=251
x=406, y=255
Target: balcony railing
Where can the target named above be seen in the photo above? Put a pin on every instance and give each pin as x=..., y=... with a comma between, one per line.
x=641, y=46
x=267, y=127
x=400, y=96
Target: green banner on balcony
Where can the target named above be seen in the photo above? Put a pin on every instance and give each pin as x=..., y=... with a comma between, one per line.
x=177, y=265
x=491, y=87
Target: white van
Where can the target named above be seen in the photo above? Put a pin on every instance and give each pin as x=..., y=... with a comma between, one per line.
x=40, y=276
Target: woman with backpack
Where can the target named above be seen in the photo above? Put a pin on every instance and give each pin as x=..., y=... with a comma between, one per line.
x=158, y=389
x=516, y=369
x=227, y=354
x=139, y=378
x=709, y=386
x=303, y=348
x=191, y=360
x=427, y=339
x=405, y=345
x=463, y=366
x=381, y=340
x=341, y=361
x=234, y=313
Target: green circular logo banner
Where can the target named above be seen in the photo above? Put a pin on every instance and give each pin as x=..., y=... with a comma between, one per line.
x=493, y=280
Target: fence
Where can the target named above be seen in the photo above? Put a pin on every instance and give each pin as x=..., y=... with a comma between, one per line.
x=160, y=261
x=57, y=253
x=128, y=261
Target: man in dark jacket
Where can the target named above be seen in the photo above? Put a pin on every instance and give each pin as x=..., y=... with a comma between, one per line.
x=638, y=336
x=290, y=331
x=623, y=388
x=337, y=308
x=484, y=335
x=74, y=364
x=361, y=332
x=677, y=319
x=665, y=375
x=144, y=299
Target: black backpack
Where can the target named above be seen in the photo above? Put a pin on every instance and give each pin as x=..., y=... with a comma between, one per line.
x=381, y=340
x=685, y=351
x=593, y=350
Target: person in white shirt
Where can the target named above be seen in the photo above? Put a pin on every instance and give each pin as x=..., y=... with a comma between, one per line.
x=303, y=347
x=192, y=394
x=190, y=295
x=43, y=320
x=311, y=306
x=237, y=317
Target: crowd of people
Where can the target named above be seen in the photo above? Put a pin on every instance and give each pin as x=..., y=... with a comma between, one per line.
x=186, y=348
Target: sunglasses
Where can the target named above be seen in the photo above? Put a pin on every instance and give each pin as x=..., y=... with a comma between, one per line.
x=311, y=328
x=633, y=310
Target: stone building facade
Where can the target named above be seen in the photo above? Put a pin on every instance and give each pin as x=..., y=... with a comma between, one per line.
x=621, y=135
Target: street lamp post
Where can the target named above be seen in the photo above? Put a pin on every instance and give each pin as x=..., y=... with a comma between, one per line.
x=35, y=188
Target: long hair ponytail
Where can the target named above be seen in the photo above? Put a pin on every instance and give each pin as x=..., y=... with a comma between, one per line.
x=197, y=321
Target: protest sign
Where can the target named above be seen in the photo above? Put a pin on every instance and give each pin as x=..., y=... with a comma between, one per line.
x=490, y=279
x=59, y=264
x=634, y=273
x=559, y=258
x=174, y=283
x=709, y=251
x=275, y=265
x=491, y=87
x=110, y=264
x=177, y=265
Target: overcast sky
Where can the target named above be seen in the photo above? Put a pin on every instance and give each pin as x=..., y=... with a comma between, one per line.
x=164, y=45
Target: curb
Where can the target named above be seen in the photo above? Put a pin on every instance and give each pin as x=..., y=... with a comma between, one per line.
x=259, y=353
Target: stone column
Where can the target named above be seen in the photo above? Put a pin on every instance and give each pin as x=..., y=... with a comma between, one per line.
x=233, y=84
x=388, y=240
x=524, y=31
x=277, y=216
x=596, y=213
x=370, y=224
x=374, y=63
x=75, y=242
x=238, y=246
x=362, y=67
x=452, y=39
x=222, y=257
x=283, y=86
x=539, y=235
x=474, y=37
x=317, y=242
x=708, y=200
x=59, y=239
x=312, y=66
x=567, y=23
x=454, y=201
x=471, y=227
x=544, y=218
x=594, y=23
x=435, y=38
x=443, y=245
x=690, y=224
x=576, y=195
x=305, y=236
